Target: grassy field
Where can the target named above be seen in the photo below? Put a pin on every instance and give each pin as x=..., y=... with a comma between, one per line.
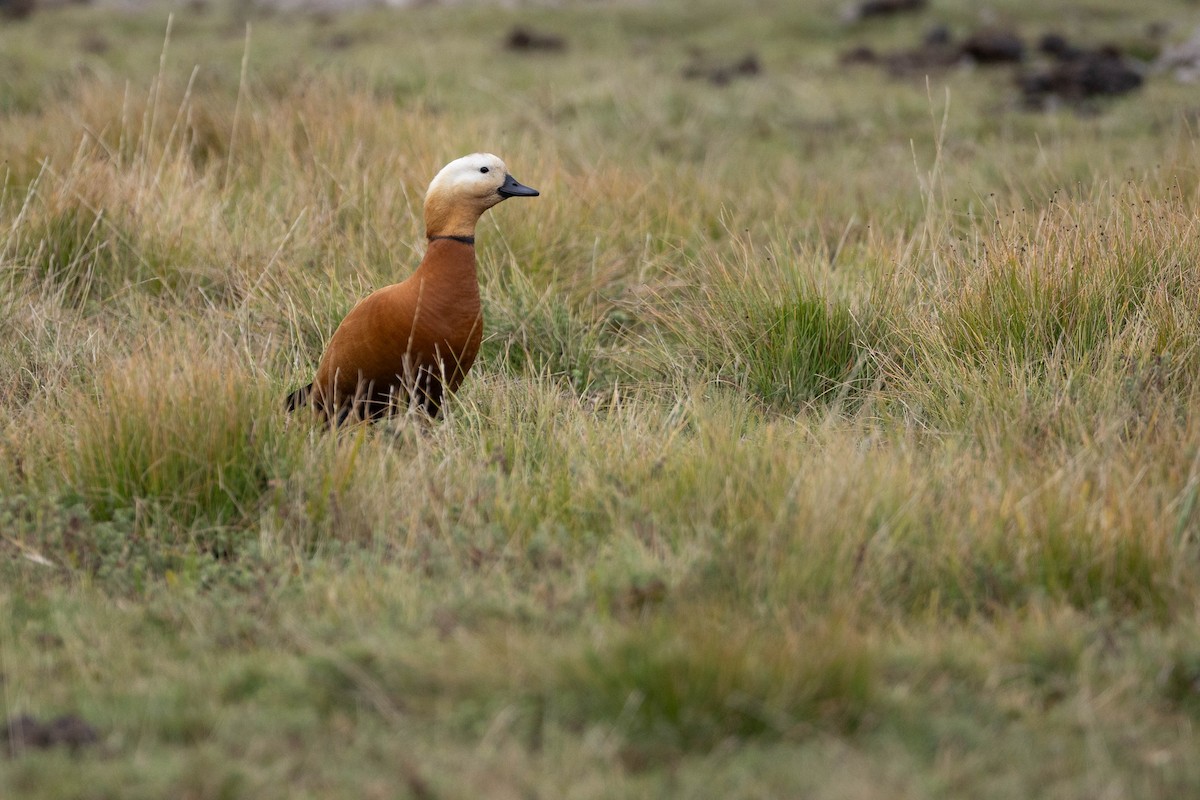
x=834, y=436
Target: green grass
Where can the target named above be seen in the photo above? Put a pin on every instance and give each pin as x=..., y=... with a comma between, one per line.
x=180, y=433
x=832, y=435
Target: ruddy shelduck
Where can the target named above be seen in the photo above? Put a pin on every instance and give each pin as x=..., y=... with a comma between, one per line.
x=407, y=345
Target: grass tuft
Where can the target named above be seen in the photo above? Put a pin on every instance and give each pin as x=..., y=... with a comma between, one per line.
x=199, y=441
x=693, y=683
x=537, y=333
x=80, y=252
x=765, y=327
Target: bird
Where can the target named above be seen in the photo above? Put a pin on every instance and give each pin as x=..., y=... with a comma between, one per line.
x=406, y=346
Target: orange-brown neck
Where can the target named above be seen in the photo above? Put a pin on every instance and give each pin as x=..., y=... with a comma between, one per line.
x=450, y=263
x=446, y=217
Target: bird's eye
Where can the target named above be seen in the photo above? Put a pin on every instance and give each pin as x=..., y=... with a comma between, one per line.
x=483, y=169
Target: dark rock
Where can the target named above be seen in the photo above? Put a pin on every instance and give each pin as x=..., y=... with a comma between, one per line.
x=859, y=55
x=17, y=9
x=994, y=47
x=1056, y=46
x=748, y=66
x=937, y=36
x=884, y=8
x=1098, y=73
x=526, y=40
x=721, y=74
x=72, y=731
x=1105, y=75
x=936, y=52
x=25, y=732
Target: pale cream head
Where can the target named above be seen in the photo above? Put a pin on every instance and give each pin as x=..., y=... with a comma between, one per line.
x=464, y=189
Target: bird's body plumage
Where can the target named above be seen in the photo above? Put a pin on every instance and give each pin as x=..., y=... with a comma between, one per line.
x=408, y=344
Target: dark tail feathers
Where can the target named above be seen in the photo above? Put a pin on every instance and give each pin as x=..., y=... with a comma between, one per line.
x=298, y=398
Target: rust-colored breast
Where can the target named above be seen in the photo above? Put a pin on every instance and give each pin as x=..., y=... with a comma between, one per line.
x=408, y=342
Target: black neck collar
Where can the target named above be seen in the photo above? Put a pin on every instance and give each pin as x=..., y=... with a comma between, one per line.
x=464, y=239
